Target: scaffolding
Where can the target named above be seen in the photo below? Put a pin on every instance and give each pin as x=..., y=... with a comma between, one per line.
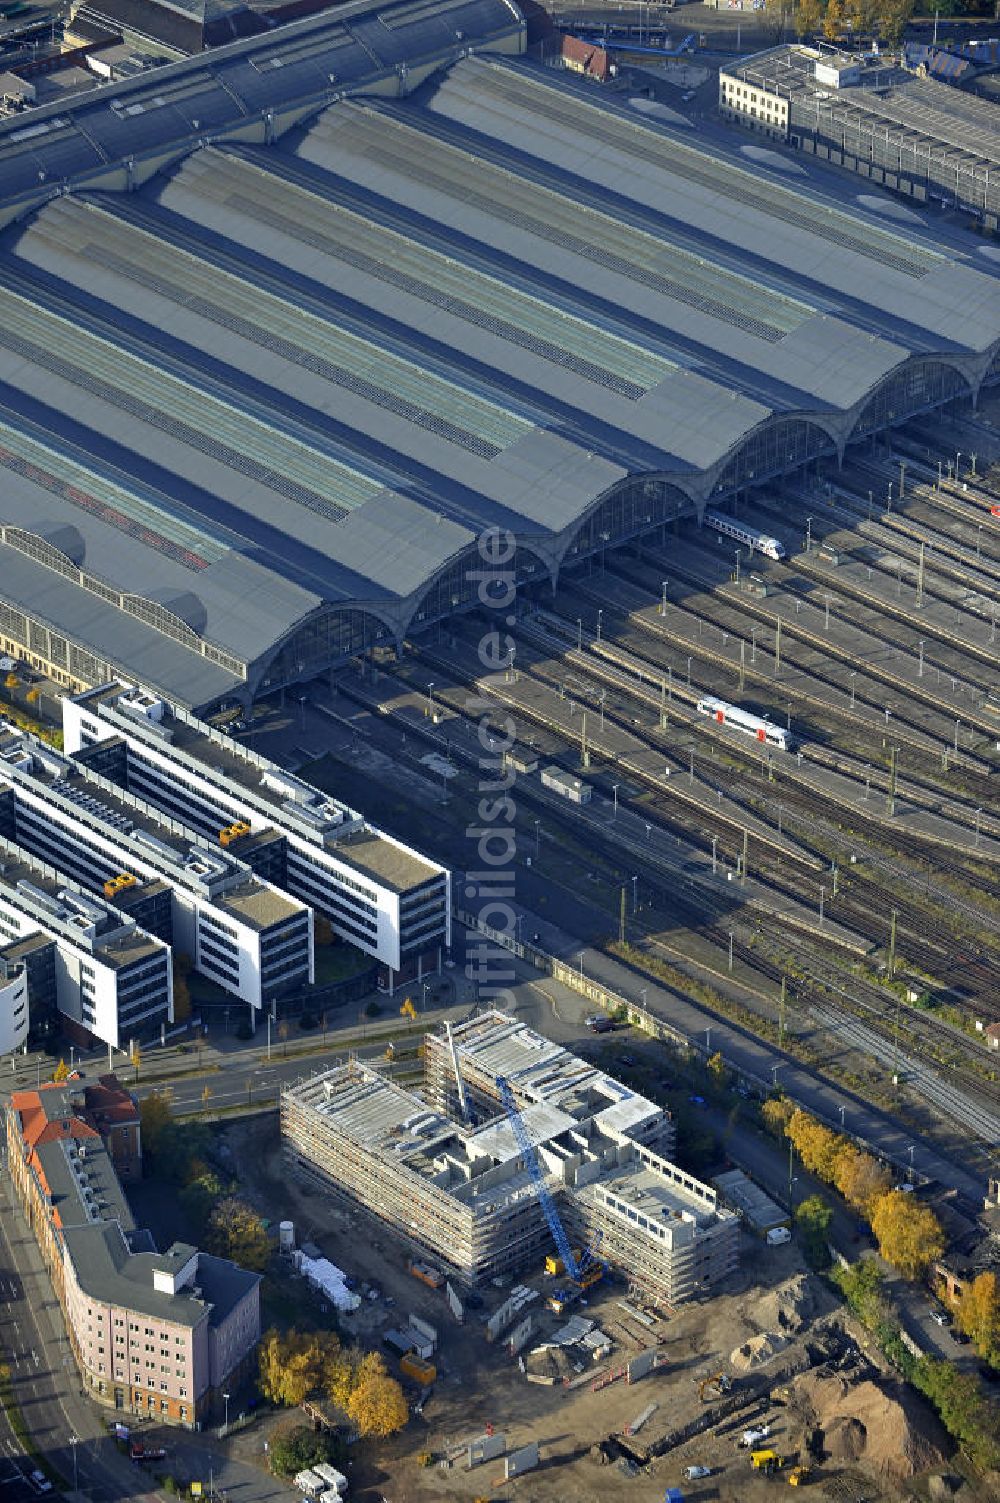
x=463, y=1194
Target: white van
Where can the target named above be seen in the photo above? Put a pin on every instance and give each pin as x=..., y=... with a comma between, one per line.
x=777, y=1235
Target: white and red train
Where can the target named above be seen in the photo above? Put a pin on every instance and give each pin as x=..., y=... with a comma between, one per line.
x=742, y=720
x=751, y=536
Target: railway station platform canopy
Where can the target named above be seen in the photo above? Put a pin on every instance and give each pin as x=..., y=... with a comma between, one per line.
x=287, y=327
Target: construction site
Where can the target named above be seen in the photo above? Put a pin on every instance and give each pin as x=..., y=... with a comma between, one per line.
x=513, y=1145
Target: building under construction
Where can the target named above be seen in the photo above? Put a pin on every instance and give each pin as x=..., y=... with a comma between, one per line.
x=444, y=1171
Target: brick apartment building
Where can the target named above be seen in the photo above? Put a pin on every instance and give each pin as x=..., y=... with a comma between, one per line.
x=156, y=1334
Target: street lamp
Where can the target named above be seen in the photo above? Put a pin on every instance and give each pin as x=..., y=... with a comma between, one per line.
x=581, y=967
x=74, y=1442
x=226, y=1397
x=579, y=633
x=663, y=602
x=635, y=894
x=600, y=616
x=643, y=992
x=614, y=790
x=430, y=700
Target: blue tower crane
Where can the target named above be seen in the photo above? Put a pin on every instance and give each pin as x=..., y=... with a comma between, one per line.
x=583, y=1271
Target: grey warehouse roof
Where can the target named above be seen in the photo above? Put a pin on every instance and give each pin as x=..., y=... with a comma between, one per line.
x=289, y=376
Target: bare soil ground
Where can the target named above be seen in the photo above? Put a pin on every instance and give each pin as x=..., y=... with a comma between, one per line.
x=479, y=1384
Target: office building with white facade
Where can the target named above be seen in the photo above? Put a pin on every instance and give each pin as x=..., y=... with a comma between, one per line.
x=247, y=935
x=377, y=893
x=101, y=971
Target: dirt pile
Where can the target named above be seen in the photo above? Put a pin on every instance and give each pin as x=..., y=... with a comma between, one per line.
x=757, y=1351
x=882, y=1425
x=786, y=1308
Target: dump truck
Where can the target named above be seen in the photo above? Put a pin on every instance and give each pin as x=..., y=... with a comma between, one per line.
x=765, y=1461
x=416, y=1367
x=432, y=1277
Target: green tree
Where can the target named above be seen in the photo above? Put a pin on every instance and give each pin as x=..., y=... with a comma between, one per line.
x=181, y=964
x=180, y=1146
x=966, y=1412
x=909, y=1234
x=295, y=1447
x=199, y=1197
x=862, y=1286
x=813, y=1219
x=234, y=1230
x=156, y=1115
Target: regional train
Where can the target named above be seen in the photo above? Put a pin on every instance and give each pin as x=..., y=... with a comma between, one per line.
x=770, y=547
x=741, y=720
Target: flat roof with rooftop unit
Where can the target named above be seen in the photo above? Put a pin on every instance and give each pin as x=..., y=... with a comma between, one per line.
x=249, y=935
x=386, y=898
x=446, y=1171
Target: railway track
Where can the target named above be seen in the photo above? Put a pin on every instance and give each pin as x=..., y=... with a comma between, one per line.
x=645, y=679
x=927, y=933
x=728, y=618
x=710, y=915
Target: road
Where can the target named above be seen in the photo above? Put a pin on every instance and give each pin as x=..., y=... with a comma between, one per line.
x=45, y=1380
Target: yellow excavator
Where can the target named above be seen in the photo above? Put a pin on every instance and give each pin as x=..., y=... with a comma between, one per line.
x=714, y=1386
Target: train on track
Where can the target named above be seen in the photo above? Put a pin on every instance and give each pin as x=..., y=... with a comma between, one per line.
x=751, y=536
x=742, y=720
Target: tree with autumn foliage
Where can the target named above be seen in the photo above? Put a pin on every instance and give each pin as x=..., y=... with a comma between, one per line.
x=860, y=1178
x=235, y=1231
x=776, y=1113
x=833, y=20
x=978, y=1316
x=292, y=1365
x=807, y=17
x=377, y=1404
x=909, y=1234
x=816, y=1145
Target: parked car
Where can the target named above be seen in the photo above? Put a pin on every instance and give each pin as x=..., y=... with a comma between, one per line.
x=41, y=1482
x=693, y=1472
x=940, y=1318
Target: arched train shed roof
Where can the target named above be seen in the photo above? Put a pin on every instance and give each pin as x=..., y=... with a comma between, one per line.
x=285, y=384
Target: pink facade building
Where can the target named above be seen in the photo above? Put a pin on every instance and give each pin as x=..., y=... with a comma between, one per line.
x=156, y=1334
